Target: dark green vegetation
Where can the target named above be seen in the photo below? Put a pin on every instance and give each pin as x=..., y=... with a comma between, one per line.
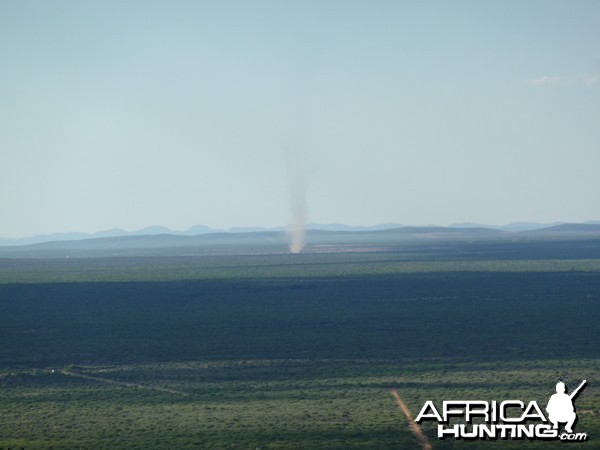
x=291, y=351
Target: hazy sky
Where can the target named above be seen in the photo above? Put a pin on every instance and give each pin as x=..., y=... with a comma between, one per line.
x=135, y=113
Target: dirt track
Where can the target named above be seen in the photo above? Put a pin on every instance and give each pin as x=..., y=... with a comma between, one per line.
x=414, y=427
x=121, y=383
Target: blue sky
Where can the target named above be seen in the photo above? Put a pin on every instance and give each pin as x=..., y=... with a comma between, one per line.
x=129, y=113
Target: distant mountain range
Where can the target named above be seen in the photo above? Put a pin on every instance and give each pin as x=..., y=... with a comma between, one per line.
x=196, y=230
x=192, y=231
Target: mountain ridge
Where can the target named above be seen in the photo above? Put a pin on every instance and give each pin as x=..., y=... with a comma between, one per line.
x=197, y=230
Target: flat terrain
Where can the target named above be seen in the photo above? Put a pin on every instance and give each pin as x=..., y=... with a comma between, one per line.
x=291, y=351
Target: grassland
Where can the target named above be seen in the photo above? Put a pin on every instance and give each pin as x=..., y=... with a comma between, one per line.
x=289, y=351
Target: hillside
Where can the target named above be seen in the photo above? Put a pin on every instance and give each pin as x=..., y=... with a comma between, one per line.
x=271, y=241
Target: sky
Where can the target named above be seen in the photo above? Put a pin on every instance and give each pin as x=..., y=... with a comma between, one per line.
x=175, y=113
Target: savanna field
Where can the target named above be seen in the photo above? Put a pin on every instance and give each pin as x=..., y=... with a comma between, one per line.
x=280, y=351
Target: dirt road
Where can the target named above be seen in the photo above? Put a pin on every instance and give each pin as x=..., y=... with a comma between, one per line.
x=414, y=427
x=121, y=383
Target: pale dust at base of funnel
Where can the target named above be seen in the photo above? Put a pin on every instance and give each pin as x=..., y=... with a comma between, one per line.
x=297, y=236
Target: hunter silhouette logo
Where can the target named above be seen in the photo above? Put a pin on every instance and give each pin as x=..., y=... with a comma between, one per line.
x=560, y=406
x=509, y=419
